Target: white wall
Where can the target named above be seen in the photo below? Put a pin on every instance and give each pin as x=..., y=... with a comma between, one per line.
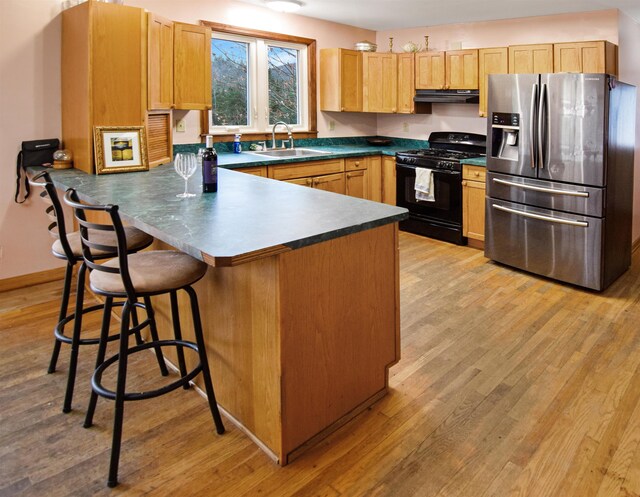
x=629, y=61
x=30, y=103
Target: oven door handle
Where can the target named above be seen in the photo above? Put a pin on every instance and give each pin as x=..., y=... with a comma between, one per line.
x=436, y=171
x=557, y=220
x=541, y=188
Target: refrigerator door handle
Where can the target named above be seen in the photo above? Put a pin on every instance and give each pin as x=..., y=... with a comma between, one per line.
x=532, y=124
x=557, y=220
x=541, y=113
x=541, y=188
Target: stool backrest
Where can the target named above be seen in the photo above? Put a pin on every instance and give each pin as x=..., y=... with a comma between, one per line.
x=79, y=209
x=49, y=196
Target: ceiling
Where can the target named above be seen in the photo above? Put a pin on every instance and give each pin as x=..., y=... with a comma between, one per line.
x=380, y=15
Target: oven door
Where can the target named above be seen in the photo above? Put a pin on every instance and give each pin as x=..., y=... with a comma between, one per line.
x=446, y=208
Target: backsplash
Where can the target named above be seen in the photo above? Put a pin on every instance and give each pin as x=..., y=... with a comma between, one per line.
x=227, y=147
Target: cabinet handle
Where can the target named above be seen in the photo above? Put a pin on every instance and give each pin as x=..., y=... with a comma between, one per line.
x=464, y=183
x=355, y=175
x=476, y=174
x=309, y=182
x=341, y=109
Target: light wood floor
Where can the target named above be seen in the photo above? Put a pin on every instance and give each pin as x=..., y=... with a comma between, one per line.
x=509, y=385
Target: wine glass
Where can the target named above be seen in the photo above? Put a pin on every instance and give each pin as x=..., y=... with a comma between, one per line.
x=185, y=166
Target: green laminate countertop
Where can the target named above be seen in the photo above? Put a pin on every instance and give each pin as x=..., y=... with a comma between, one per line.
x=248, y=159
x=248, y=218
x=478, y=161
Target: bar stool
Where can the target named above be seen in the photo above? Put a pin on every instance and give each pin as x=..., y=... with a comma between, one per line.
x=67, y=246
x=134, y=276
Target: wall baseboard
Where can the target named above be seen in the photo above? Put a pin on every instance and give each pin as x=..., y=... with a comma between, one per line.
x=31, y=279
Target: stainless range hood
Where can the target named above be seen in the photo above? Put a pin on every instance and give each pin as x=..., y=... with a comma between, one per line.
x=447, y=96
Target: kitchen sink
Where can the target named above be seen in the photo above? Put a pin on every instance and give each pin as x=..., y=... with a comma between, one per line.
x=289, y=152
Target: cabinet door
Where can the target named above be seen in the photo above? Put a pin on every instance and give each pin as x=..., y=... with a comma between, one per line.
x=301, y=181
x=528, y=59
x=490, y=61
x=389, y=180
x=330, y=183
x=340, y=80
x=192, y=66
x=461, y=69
x=357, y=183
x=406, y=83
x=159, y=137
x=473, y=206
x=256, y=171
x=160, y=62
x=585, y=57
x=380, y=82
x=430, y=70
x=375, y=178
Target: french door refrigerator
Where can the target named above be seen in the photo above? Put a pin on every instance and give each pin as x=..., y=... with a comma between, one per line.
x=560, y=175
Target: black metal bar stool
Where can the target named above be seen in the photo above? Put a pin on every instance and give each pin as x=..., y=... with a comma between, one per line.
x=67, y=246
x=132, y=277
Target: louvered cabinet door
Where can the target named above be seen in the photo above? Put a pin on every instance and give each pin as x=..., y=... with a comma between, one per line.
x=159, y=143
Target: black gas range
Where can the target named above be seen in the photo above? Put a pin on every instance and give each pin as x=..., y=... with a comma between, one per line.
x=440, y=217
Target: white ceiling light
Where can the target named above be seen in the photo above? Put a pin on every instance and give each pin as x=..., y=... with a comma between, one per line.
x=284, y=5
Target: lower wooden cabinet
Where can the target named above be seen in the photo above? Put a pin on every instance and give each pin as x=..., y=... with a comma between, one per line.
x=256, y=171
x=473, y=204
x=330, y=183
x=389, y=180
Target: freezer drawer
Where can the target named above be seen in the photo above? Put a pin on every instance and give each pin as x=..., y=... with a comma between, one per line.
x=563, y=246
x=576, y=199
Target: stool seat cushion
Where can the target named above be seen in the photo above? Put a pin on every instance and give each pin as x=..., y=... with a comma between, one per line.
x=151, y=272
x=136, y=240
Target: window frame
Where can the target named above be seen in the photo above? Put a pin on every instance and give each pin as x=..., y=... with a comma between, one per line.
x=277, y=39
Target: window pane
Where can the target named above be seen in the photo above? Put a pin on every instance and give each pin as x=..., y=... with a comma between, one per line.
x=230, y=83
x=283, y=85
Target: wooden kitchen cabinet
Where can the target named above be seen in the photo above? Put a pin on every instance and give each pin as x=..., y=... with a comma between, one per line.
x=380, y=82
x=159, y=62
x=363, y=177
x=490, y=61
x=322, y=174
x=473, y=204
x=340, y=80
x=104, y=81
x=330, y=183
x=586, y=57
x=528, y=59
x=455, y=70
x=406, y=83
x=256, y=171
x=430, y=70
x=191, y=66
x=389, y=180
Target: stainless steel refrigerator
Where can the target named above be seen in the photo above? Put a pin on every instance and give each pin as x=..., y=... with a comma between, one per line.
x=560, y=175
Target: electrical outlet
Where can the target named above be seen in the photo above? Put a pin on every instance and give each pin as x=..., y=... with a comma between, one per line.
x=332, y=125
x=181, y=126
x=405, y=127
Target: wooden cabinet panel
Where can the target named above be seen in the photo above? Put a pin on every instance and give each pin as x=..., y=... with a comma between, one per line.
x=430, y=70
x=330, y=183
x=306, y=169
x=159, y=137
x=340, y=80
x=301, y=181
x=160, y=62
x=192, y=66
x=585, y=57
x=389, y=180
x=375, y=178
x=531, y=59
x=473, y=203
x=256, y=171
x=490, y=61
x=357, y=183
x=406, y=83
x=461, y=70
x=380, y=82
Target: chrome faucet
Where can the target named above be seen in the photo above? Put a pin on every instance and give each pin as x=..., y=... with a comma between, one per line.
x=273, y=134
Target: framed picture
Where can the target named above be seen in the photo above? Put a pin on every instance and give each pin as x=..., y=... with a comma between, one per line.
x=120, y=149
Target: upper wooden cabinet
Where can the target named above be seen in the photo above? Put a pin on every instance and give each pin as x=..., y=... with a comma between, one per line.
x=380, y=82
x=531, y=58
x=429, y=70
x=192, y=66
x=490, y=61
x=586, y=57
x=160, y=62
x=455, y=70
x=406, y=83
x=340, y=80
x=104, y=81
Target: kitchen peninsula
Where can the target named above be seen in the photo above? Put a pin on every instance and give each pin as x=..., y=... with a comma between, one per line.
x=301, y=307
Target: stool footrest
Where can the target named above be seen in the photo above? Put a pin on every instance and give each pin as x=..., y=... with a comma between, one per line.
x=184, y=380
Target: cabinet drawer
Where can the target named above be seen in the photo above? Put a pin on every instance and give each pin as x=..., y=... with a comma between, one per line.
x=474, y=173
x=355, y=164
x=256, y=171
x=304, y=169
